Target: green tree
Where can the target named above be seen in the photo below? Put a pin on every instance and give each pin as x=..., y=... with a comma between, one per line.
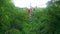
x=54, y=12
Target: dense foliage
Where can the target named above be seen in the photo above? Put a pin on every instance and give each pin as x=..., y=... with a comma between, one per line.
x=14, y=20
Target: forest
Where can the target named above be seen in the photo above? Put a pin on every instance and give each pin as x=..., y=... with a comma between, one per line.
x=15, y=20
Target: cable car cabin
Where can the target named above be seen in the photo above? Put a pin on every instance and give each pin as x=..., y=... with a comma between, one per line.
x=28, y=10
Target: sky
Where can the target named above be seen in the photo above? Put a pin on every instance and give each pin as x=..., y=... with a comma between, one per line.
x=27, y=3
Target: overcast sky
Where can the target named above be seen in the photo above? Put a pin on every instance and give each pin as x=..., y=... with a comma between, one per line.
x=26, y=3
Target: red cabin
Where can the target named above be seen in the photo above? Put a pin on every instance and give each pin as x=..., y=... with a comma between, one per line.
x=28, y=10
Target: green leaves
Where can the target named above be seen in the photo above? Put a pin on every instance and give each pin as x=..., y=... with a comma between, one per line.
x=14, y=31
